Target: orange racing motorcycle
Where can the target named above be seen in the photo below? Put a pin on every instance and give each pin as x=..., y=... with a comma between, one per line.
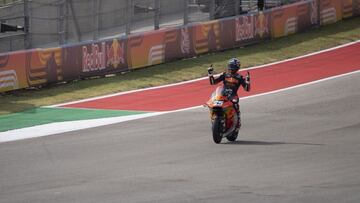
x=223, y=115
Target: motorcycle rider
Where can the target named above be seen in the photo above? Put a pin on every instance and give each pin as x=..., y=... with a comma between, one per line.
x=232, y=80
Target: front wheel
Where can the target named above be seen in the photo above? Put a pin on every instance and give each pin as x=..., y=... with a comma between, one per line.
x=233, y=136
x=216, y=130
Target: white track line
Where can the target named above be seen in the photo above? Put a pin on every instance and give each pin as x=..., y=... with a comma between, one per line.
x=67, y=126
x=203, y=78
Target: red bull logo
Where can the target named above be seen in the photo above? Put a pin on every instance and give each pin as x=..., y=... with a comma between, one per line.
x=314, y=12
x=115, y=54
x=244, y=28
x=94, y=59
x=261, y=25
x=185, y=41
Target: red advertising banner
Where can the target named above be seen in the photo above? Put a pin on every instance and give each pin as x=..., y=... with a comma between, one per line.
x=44, y=66
x=293, y=18
x=304, y=16
x=330, y=11
x=314, y=12
x=347, y=8
x=116, y=56
x=284, y=21
x=356, y=7
x=227, y=34
x=178, y=43
x=244, y=29
x=12, y=71
x=95, y=59
x=206, y=37
x=263, y=25
x=252, y=28
x=104, y=57
x=146, y=49
x=72, y=62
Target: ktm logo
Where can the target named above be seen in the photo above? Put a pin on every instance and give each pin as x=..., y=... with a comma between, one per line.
x=232, y=81
x=261, y=25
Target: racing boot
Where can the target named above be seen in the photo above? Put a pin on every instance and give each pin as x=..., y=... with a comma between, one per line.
x=238, y=125
x=237, y=109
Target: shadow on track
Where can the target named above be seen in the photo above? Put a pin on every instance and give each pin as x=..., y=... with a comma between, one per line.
x=267, y=143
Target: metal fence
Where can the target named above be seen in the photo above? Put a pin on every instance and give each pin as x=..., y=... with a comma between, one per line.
x=5, y=2
x=57, y=22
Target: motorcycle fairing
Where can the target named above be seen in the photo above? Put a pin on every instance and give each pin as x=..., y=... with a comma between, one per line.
x=220, y=105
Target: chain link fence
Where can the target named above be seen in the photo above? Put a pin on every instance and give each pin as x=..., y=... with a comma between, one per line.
x=6, y=2
x=50, y=23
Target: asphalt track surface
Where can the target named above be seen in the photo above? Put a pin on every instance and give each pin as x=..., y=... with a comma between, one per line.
x=300, y=145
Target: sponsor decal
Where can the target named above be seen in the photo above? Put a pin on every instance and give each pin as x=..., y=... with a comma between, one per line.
x=4, y=59
x=171, y=36
x=347, y=9
x=46, y=54
x=358, y=6
x=115, y=54
x=261, y=25
x=207, y=37
x=8, y=80
x=94, y=59
x=244, y=28
x=314, y=12
x=185, y=41
x=44, y=66
x=156, y=54
x=328, y=15
x=291, y=25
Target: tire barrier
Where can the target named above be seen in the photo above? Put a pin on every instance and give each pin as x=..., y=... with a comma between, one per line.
x=36, y=67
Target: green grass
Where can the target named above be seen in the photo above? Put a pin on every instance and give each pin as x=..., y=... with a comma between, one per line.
x=266, y=52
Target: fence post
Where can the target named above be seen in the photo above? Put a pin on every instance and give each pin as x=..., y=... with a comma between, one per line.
x=96, y=11
x=318, y=2
x=186, y=12
x=61, y=23
x=27, y=41
x=212, y=9
x=237, y=5
x=67, y=14
x=157, y=15
x=11, y=45
x=76, y=23
x=128, y=14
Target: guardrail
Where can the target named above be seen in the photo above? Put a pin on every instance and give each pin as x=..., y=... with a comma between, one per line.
x=36, y=67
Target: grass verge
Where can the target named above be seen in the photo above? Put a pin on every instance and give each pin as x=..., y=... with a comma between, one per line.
x=266, y=52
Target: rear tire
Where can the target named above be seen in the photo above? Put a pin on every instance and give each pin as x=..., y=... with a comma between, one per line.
x=216, y=130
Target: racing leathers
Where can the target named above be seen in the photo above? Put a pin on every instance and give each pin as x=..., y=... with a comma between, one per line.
x=232, y=81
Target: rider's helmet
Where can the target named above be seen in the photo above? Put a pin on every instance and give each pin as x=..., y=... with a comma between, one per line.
x=234, y=65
